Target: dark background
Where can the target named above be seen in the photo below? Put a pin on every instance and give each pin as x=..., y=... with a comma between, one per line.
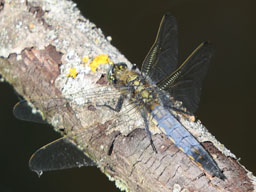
x=227, y=105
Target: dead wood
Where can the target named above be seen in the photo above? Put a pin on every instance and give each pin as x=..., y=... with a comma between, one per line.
x=38, y=46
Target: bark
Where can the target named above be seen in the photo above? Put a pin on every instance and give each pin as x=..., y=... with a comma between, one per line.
x=39, y=42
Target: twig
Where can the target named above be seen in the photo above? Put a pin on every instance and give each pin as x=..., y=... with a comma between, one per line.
x=39, y=42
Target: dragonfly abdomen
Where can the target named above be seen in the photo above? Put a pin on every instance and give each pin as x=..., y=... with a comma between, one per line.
x=184, y=140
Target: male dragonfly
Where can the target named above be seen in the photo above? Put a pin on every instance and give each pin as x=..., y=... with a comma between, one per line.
x=154, y=92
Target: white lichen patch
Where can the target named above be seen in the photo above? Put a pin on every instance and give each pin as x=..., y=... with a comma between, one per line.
x=15, y=33
x=120, y=184
x=176, y=188
x=64, y=28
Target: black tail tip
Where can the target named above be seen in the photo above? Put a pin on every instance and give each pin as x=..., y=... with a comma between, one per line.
x=221, y=176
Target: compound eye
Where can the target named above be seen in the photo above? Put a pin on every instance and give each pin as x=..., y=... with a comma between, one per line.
x=122, y=66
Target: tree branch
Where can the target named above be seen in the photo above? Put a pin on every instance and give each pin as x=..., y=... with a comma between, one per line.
x=39, y=42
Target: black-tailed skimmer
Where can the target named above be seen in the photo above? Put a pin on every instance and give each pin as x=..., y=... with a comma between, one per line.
x=154, y=92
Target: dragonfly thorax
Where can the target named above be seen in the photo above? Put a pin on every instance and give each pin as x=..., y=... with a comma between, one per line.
x=141, y=92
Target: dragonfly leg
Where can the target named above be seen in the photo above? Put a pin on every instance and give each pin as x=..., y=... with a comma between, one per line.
x=118, y=106
x=144, y=116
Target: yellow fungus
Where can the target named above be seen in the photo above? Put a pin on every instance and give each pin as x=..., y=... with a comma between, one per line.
x=98, y=60
x=72, y=73
x=85, y=59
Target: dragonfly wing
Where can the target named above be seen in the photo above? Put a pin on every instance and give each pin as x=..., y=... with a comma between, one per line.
x=162, y=58
x=57, y=155
x=185, y=83
x=23, y=111
x=101, y=95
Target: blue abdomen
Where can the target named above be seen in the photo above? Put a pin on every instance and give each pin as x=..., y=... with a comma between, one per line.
x=184, y=140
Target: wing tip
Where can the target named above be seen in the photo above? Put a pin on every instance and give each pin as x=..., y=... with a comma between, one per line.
x=169, y=16
x=208, y=44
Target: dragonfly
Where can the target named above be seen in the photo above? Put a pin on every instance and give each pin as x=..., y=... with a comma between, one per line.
x=154, y=91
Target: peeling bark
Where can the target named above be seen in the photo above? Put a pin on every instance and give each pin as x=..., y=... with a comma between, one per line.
x=1, y=5
x=37, y=49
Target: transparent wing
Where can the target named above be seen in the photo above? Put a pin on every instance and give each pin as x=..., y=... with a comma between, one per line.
x=185, y=83
x=23, y=111
x=100, y=95
x=127, y=116
x=63, y=154
x=162, y=58
x=57, y=155
x=87, y=108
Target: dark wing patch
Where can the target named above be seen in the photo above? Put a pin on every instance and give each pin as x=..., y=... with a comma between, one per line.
x=57, y=155
x=162, y=58
x=185, y=83
x=23, y=111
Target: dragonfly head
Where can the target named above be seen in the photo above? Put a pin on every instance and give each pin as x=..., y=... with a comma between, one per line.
x=116, y=72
